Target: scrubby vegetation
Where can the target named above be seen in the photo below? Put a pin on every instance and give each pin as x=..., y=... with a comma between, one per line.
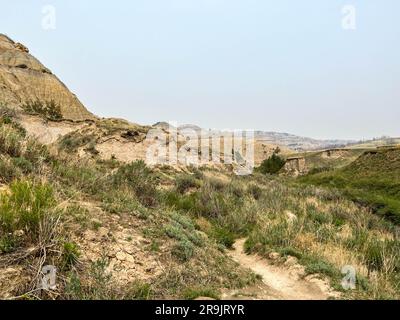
x=49, y=109
x=372, y=180
x=86, y=217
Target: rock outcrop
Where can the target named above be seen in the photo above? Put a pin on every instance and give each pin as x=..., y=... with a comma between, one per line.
x=295, y=166
x=24, y=79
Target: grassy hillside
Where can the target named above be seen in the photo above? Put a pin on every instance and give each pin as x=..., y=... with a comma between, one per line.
x=319, y=161
x=373, y=179
x=105, y=225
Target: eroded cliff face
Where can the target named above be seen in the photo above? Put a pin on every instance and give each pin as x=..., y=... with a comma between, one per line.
x=24, y=79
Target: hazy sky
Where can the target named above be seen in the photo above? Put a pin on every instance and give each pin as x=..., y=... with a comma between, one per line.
x=281, y=65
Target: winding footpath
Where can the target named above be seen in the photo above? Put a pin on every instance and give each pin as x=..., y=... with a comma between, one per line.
x=284, y=282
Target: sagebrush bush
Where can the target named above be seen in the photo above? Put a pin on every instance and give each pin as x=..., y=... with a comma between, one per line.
x=140, y=179
x=183, y=250
x=97, y=285
x=35, y=152
x=185, y=182
x=182, y=229
x=120, y=201
x=7, y=243
x=277, y=234
x=8, y=170
x=81, y=177
x=23, y=164
x=236, y=189
x=10, y=141
x=216, y=184
x=211, y=202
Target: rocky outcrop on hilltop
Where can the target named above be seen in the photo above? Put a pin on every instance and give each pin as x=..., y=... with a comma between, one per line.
x=23, y=79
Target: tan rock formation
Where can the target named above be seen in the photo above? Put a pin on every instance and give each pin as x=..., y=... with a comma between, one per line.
x=295, y=166
x=24, y=79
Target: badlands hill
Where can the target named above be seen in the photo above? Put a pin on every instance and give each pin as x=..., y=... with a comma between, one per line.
x=23, y=79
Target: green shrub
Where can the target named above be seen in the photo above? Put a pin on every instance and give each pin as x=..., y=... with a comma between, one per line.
x=25, y=165
x=179, y=232
x=317, y=170
x=318, y=217
x=8, y=171
x=273, y=236
x=185, y=182
x=7, y=243
x=187, y=203
x=236, y=190
x=196, y=173
x=81, y=177
x=358, y=240
x=96, y=286
x=272, y=165
x=223, y=236
x=212, y=203
x=70, y=255
x=25, y=207
x=289, y=251
x=175, y=231
x=48, y=109
x=183, y=250
x=10, y=141
x=139, y=178
x=182, y=229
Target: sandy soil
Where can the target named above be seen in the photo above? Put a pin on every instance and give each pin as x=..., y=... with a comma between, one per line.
x=283, y=282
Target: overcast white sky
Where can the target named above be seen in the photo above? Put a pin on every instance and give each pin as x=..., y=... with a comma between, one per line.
x=253, y=64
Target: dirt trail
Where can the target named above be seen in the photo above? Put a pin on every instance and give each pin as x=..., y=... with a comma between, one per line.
x=285, y=282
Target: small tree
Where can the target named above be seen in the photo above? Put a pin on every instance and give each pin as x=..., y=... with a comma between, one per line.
x=272, y=165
